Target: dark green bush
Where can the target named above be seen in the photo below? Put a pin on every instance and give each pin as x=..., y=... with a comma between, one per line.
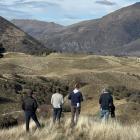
x=8, y=121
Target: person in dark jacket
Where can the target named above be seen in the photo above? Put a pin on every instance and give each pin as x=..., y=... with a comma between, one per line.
x=29, y=105
x=105, y=101
x=76, y=98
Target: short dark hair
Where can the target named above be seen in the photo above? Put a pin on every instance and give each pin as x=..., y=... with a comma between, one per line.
x=77, y=85
x=58, y=89
x=29, y=92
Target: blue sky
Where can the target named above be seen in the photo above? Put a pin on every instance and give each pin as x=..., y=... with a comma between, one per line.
x=64, y=12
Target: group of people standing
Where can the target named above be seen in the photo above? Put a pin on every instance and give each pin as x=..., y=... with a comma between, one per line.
x=75, y=97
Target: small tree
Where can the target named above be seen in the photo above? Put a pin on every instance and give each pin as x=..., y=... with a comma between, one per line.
x=2, y=50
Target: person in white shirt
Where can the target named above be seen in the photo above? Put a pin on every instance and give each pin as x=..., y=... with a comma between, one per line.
x=57, y=102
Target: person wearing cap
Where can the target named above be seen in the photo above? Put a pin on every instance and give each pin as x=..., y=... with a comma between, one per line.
x=105, y=101
x=57, y=102
x=76, y=98
x=29, y=105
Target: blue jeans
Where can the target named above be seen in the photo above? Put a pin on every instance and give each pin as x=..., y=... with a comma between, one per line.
x=104, y=114
x=57, y=114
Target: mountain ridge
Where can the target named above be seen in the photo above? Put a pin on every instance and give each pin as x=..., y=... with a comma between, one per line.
x=14, y=39
x=100, y=36
x=37, y=28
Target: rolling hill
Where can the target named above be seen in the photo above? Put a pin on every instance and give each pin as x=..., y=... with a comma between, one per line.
x=15, y=40
x=115, y=34
x=94, y=73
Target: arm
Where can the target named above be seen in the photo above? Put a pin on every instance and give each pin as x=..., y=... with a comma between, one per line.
x=81, y=97
x=100, y=99
x=23, y=105
x=35, y=105
x=52, y=99
x=62, y=100
x=69, y=96
x=111, y=100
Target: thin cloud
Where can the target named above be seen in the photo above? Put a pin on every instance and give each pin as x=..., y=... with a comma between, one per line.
x=60, y=11
x=105, y=2
x=40, y=4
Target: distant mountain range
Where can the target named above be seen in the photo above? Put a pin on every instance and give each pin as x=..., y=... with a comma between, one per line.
x=38, y=29
x=115, y=34
x=15, y=40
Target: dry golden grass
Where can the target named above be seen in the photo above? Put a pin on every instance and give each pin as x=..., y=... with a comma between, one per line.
x=96, y=71
x=87, y=129
x=60, y=65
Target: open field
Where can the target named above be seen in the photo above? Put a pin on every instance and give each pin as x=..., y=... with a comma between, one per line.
x=66, y=64
x=86, y=129
x=96, y=72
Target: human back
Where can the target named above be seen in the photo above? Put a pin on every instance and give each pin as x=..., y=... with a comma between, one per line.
x=75, y=97
x=106, y=100
x=29, y=104
x=57, y=100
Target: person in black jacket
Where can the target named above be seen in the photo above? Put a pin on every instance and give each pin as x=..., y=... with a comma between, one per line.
x=76, y=98
x=29, y=105
x=106, y=102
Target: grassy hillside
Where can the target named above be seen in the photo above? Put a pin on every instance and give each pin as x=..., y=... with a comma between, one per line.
x=86, y=129
x=14, y=39
x=94, y=72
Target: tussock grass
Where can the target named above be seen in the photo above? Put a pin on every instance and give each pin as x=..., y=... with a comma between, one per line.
x=87, y=129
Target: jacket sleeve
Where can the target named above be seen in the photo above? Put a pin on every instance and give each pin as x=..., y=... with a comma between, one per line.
x=100, y=99
x=111, y=100
x=81, y=97
x=69, y=96
x=52, y=99
x=23, y=105
x=35, y=105
x=62, y=101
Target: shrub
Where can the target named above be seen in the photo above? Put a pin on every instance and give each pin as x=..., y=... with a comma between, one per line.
x=8, y=121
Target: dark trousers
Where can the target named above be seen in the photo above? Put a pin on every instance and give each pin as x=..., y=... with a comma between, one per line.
x=28, y=116
x=57, y=114
x=75, y=112
x=112, y=114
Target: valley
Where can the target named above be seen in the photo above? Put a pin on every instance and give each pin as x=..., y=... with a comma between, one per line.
x=94, y=72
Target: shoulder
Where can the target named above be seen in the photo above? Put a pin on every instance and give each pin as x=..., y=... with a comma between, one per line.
x=71, y=93
x=33, y=99
x=27, y=99
x=60, y=95
x=24, y=99
x=111, y=96
x=80, y=93
x=53, y=95
x=102, y=95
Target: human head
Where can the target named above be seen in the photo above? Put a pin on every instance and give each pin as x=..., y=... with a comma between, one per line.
x=58, y=90
x=77, y=85
x=105, y=90
x=29, y=92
